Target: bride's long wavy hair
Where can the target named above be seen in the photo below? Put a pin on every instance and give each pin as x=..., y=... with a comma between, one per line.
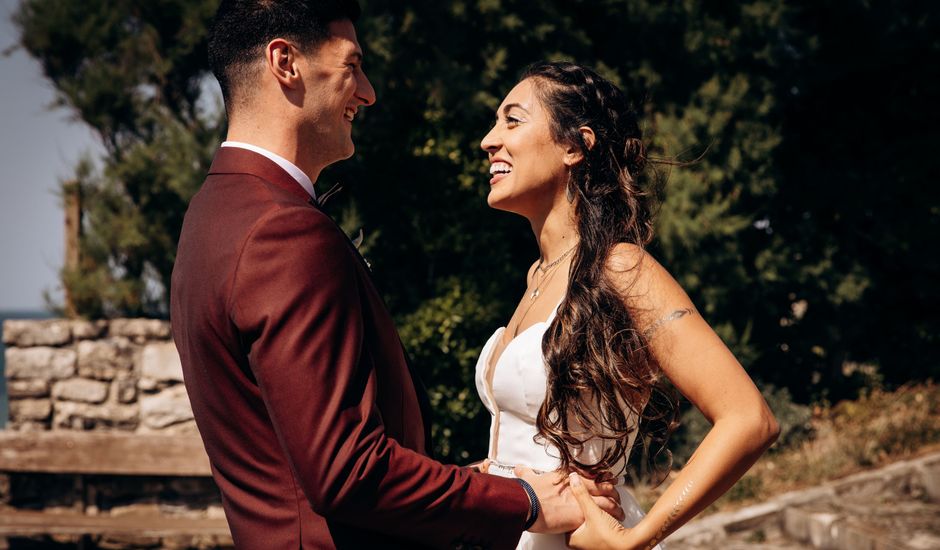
x=603, y=381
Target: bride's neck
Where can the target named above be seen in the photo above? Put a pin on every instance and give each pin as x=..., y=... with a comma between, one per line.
x=556, y=233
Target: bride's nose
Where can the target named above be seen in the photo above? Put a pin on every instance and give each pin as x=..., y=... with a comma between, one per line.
x=491, y=142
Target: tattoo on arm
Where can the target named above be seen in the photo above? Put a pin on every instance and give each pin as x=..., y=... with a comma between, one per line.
x=672, y=516
x=677, y=314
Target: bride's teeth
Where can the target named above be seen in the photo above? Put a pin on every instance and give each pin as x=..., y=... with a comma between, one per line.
x=500, y=168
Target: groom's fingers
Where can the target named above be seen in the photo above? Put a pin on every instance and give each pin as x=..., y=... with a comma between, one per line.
x=591, y=510
x=604, y=496
x=603, y=489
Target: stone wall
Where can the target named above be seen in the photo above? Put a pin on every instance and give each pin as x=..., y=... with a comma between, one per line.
x=123, y=374
x=120, y=375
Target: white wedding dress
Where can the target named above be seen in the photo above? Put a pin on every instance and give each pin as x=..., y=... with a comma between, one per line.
x=513, y=400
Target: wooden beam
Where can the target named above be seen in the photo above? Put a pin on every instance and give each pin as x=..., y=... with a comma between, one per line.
x=103, y=453
x=29, y=523
x=72, y=198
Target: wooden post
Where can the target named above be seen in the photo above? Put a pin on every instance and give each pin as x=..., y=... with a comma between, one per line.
x=72, y=194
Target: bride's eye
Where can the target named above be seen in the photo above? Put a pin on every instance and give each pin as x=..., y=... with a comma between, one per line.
x=512, y=121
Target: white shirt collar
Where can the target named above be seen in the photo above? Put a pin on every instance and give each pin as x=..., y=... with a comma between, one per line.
x=287, y=165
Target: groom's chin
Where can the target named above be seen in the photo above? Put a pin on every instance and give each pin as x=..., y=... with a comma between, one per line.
x=348, y=150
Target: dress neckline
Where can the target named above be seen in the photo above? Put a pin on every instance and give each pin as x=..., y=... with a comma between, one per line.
x=489, y=364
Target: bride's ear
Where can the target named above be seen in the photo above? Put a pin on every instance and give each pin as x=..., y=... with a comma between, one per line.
x=573, y=155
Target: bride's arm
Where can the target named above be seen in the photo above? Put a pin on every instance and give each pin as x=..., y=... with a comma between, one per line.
x=702, y=368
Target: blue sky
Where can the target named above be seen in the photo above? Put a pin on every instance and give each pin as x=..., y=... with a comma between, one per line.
x=38, y=148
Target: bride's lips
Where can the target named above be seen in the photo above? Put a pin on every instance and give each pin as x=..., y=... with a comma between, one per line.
x=499, y=168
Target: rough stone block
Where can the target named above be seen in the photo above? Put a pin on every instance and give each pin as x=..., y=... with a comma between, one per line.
x=929, y=473
x=822, y=526
x=924, y=541
x=30, y=409
x=70, y=415
x=796, y=524
x=171, y=406
x=88, y=330
x=106, y=359
x=182, y=428
x=142, y=328
x=855, y=539
x=27, y=333
x=125, y=391
x=148, y=385
x=80, y=389
x=161, y=362
x=17, y=389
x=42, y=362
x=28, y=425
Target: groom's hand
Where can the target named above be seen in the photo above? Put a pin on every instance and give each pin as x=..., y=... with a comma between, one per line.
x=560, y=510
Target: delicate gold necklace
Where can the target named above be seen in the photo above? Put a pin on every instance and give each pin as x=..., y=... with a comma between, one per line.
x=545, y=270
x=546, y=277
x=559, y=259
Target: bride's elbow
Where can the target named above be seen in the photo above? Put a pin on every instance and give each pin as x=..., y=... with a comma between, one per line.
x=766, y=428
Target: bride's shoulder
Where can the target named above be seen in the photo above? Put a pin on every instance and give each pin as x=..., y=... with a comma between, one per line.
x=629, y=262
x=643, y=283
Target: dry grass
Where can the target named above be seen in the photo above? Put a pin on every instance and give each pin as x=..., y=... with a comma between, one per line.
x=880, y=428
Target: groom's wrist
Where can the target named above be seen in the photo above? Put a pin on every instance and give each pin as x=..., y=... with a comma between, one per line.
x=534, y=506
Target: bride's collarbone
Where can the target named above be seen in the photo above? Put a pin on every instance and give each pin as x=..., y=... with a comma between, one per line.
x=534, y=310
x=528, y=315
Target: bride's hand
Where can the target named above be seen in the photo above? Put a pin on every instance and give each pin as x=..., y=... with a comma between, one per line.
x=600, y=530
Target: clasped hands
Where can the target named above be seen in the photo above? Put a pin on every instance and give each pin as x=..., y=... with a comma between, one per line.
x=587, y=511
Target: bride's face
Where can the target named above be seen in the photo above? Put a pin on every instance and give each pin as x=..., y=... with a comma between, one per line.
x=527, y=166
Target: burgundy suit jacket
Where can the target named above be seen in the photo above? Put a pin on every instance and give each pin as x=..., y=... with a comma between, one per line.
x=299, y=384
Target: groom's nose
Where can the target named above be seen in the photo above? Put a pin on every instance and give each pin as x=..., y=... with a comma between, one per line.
x=364, y=90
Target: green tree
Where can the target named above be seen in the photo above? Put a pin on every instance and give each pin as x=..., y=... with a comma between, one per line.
x=135, y=72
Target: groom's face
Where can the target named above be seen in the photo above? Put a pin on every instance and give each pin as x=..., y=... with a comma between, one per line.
x=336, y=87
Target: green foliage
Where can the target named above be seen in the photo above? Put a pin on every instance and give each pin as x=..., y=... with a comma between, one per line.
x=444, y=335
x=746, y=488
x=802, y=231
x=135, y=73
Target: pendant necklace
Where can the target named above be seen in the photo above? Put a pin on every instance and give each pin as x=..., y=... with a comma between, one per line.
x=547, y=273
x=549, y=267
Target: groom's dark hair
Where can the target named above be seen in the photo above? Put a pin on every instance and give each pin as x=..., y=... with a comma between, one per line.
x=242, y=28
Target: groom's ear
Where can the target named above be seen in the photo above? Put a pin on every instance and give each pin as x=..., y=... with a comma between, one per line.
x=280, y=58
